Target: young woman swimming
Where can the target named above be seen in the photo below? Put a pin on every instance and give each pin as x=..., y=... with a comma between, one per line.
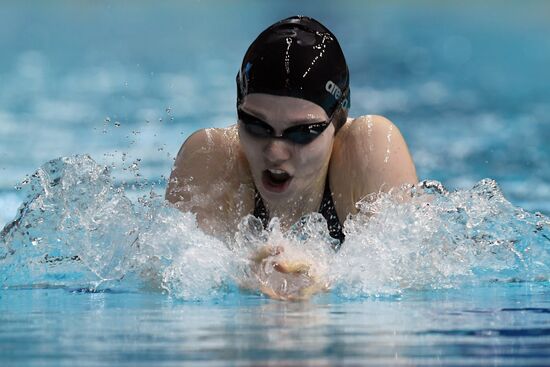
x=294, y=149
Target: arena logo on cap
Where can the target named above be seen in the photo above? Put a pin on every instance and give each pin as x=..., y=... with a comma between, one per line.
x=333, y=89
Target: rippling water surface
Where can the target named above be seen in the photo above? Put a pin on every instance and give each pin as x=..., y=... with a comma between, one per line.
x=95, y=100
x=500, y=324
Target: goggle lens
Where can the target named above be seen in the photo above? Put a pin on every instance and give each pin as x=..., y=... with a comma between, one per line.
x=300, y=134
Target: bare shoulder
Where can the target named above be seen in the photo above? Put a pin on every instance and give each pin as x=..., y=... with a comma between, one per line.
x=371, y=153
x=207, y=142
x=207, y=156
x=370, y=141
x=211, y=179
x=366, y=128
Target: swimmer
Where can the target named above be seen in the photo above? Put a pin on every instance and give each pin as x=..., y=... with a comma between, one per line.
x=294, y=150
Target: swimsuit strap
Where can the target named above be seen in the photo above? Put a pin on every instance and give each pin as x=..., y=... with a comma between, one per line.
x=260, y=211
x=327, y=209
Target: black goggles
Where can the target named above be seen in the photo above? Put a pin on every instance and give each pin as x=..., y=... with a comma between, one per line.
x=300, y=134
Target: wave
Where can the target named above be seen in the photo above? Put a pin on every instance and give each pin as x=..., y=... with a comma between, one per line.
x=76, y=229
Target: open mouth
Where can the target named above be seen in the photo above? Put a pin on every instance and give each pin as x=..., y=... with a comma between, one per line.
x=276, y=180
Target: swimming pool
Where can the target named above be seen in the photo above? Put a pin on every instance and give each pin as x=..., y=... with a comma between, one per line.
x=494, y=325
x=120, y=85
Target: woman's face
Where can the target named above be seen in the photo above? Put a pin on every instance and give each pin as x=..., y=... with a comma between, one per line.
x=282, y=169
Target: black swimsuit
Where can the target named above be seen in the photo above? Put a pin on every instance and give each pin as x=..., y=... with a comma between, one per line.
x=327, y=209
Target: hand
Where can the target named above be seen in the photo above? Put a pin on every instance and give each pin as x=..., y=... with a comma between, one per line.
x=285, y=275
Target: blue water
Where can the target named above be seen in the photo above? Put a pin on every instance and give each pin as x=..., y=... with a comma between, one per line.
x=494, y=325
x=96, y=270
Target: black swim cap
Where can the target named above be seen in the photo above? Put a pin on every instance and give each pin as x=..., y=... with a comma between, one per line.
x=296, y=57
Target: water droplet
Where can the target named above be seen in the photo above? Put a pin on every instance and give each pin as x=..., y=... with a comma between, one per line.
x=117, y=124
x=387, y=157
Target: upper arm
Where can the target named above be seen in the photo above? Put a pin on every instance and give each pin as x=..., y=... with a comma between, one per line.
x=196, y=152
x=205, y=180
x=375, y=156
x=196, y=180
x=389, y=161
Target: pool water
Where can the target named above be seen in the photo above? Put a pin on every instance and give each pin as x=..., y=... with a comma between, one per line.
x=95, y=269
x=498, y=324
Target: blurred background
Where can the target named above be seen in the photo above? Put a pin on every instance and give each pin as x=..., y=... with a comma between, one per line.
x=126, y=82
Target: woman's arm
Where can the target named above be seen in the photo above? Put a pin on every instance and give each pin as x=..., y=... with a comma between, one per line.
x=369, y=156
x=205, y=180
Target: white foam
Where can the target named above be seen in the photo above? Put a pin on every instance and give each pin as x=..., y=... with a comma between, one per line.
x=77, y=230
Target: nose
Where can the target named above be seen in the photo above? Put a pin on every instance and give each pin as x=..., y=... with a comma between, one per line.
x=276, y=151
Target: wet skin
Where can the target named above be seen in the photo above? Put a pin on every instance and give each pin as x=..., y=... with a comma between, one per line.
x=217, y=170
x=306, y=165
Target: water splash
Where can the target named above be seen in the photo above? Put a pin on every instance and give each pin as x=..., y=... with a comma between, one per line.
x=76, y=229
x=429, y=238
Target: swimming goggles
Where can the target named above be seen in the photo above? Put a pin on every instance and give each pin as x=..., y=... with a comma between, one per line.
x=300, y=134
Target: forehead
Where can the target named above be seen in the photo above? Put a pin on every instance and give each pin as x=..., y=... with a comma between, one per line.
x=282, y=108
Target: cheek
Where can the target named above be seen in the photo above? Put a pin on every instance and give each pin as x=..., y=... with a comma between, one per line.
x=315, y=156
